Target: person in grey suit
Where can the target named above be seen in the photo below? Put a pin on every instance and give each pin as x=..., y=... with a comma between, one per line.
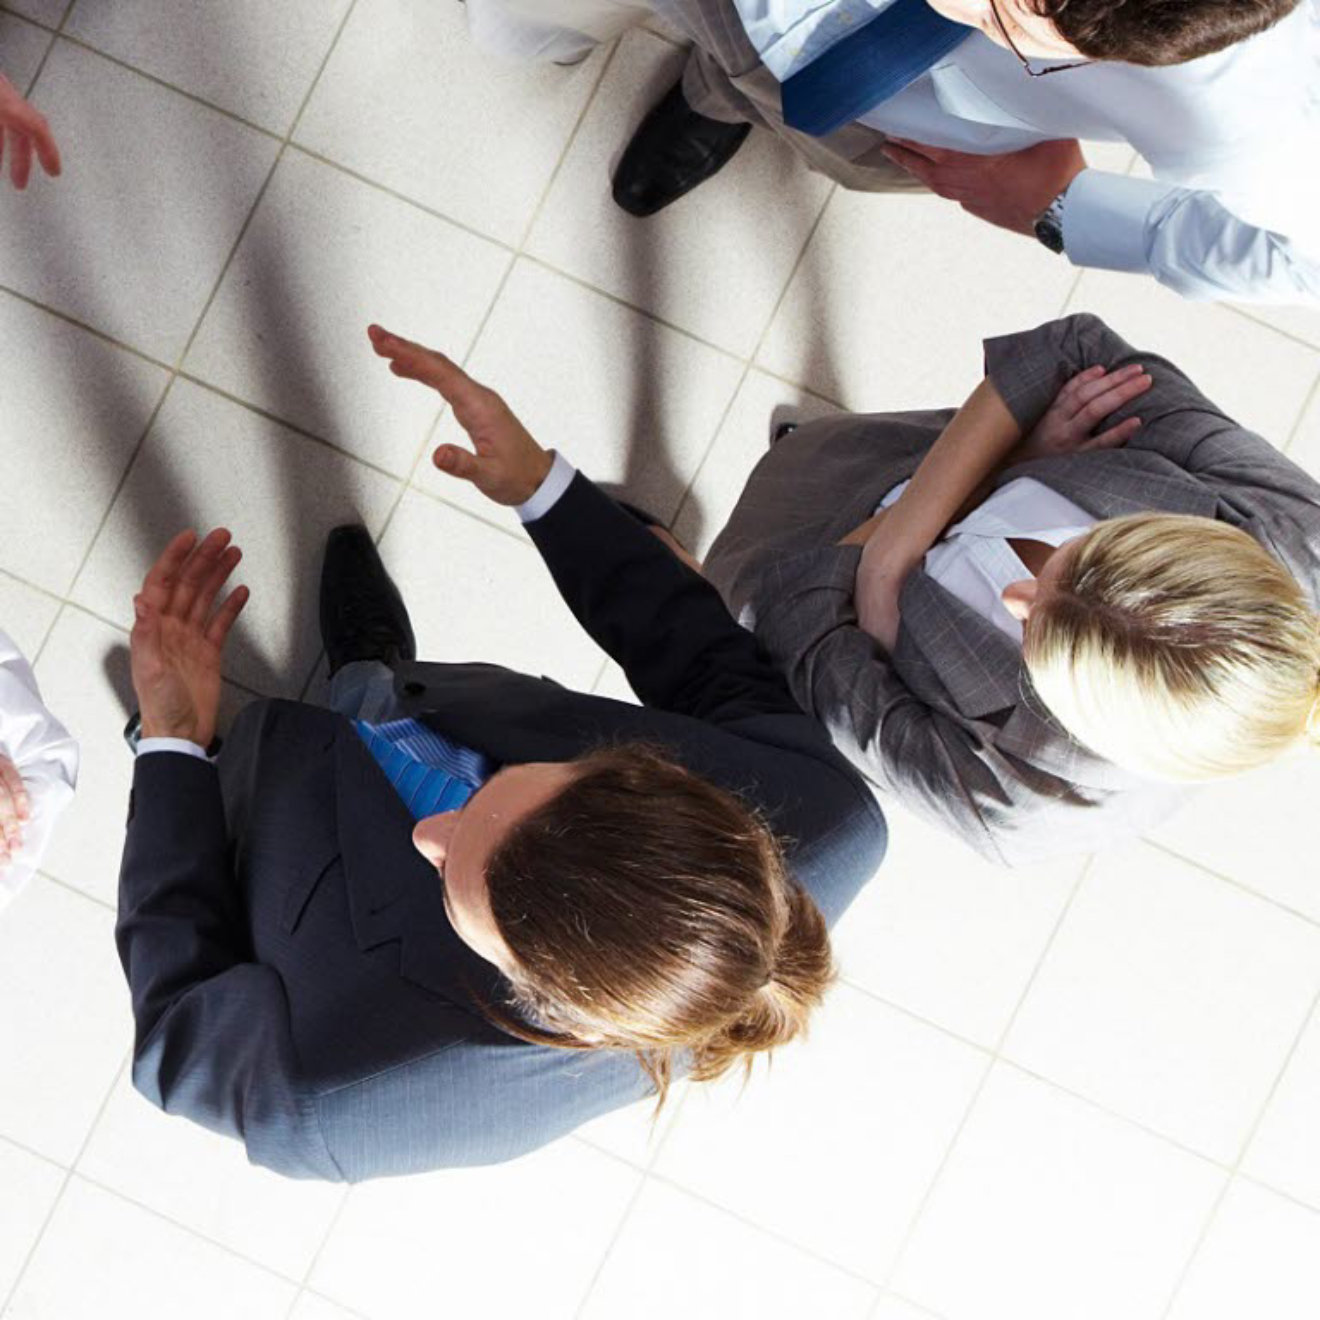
x=467, y=910
x=1037, y=620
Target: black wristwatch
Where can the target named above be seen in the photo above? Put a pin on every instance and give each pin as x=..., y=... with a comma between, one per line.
x=1049, y=224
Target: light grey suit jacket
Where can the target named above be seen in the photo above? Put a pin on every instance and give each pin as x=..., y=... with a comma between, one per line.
x=948, y=723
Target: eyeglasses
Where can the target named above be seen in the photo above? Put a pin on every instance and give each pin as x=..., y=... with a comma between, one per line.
x=1026, y=63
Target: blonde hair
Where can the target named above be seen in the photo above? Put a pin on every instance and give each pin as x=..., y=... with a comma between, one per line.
x=1176, y=647
x=650, y=911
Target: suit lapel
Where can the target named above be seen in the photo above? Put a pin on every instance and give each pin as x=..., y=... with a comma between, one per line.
x=394, y=892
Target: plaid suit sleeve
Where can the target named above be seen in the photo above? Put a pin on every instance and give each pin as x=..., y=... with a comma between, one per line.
x=804, y=617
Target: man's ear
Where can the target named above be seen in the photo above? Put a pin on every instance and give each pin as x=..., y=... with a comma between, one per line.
x=1020, y=597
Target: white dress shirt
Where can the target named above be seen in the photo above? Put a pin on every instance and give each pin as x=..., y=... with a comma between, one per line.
x=45, y=756
x=974, y=559
x=1233, y=140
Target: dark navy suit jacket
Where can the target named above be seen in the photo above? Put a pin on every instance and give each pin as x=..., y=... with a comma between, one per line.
x=295, y=981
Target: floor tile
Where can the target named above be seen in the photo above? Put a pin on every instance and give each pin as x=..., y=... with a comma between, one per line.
x=715, y=263
x=631, y=403
x=895, y=1308
x=1246, y=828
x=948, y=935
x=866, y=319
x=836, y=1143
x=1170, y=997
x=44, y=11
x=1300, y=322
x=636, y=1132
x=203, y=1181
x=1285, y=1151
x=726, y=1269
x=324, y=256
x=504, y=125
x=742, y=441
x=457, y=575
x=1209, y=343
x=30, y=1188
x=404, y=1245
x=1305, y=446
x=102, y=1256
x=1261, y=1257
x=199, y=47
x=154, y=191
x=82, y=405
x=1050, y=1208
x=312, y=1307
x=26, y=614
x=65, y=1028
x=21, y=47
x=278, y=492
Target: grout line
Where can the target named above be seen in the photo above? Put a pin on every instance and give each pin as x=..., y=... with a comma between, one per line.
x=1229, y=880
x=1243, y=1149
x=6, y=1140
x=168, y=86
x=1269, y=325
x=59, y=1196
x=176, y=1223
x=1312, y=397
x=996, y=1056
x=772, y=1233
x=750, y=360
x=81, y=893
x=320, y=1250
x=613, y=1241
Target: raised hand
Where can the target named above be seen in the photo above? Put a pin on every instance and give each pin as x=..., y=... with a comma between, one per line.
x=1071, y=421
x=179, y=634
x=15, y=808
x=508, y=466
x=24, y=132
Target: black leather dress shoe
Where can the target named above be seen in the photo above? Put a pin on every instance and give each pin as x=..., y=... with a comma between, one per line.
x=674, y=150
x=363, y=617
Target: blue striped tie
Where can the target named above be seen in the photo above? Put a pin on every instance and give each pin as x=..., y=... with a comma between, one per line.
x=876, y=62
x=429, y=773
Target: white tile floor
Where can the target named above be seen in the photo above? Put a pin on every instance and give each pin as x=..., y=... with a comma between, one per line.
x=1086, y=1090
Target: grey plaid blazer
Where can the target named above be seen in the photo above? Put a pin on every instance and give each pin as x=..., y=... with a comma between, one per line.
x=947, y=724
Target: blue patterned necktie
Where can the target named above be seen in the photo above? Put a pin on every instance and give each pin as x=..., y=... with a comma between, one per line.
x=876, y=62
x=429, y=773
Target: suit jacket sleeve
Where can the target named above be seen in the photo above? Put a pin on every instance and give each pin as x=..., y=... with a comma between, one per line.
x=1262, y=491
x=664, y=624
x=806, y=620
x=213, y=1039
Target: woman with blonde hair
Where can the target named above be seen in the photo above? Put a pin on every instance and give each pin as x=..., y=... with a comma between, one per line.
x=1038, y=619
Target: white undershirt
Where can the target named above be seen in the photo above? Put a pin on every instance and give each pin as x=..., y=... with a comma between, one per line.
x=974, y=559
x=45, y=756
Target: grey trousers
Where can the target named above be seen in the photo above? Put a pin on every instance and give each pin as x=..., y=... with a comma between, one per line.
x=723, y=79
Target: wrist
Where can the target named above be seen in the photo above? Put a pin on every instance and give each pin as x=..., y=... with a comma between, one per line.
x=538, y=470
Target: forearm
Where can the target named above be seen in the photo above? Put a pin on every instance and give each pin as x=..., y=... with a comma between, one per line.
x=1186, y=238
x=978, y=439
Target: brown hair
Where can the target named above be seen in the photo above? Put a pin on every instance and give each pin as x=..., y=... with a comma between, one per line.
x=1154, y=32
x=650, y=911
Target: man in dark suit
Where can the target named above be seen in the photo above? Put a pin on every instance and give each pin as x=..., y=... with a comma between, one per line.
x=636, y=891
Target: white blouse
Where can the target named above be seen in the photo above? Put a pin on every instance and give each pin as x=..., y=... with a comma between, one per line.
x=974, y=561
x=45, y=756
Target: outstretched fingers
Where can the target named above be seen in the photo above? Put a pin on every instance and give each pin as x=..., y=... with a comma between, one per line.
x=164, y=573
x=417, y=362
x=224, y=618
x=197, y=570
x=212, y=583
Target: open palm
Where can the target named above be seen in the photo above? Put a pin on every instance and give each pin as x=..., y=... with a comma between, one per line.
x=179, y=634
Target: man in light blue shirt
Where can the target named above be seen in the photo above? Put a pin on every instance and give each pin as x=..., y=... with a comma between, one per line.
x=985, y=101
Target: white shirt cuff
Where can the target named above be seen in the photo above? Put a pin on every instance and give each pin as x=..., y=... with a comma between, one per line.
x=1105, y=218
x=548, y=494
x=147, y=745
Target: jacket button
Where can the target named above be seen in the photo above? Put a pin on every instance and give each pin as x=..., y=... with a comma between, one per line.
x=413, y=689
